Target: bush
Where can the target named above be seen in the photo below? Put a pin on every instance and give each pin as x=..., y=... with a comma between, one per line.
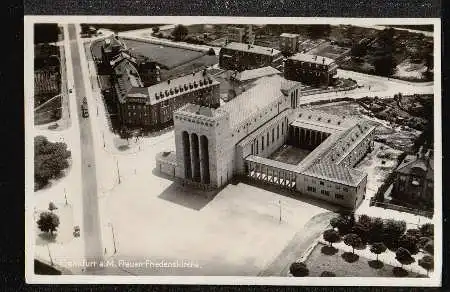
x=327, y=274
x=427, y=262
x=50, y=159
x=211, y=52
x=299, y=269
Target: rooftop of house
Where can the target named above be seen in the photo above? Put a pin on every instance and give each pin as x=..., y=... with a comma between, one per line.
x=312, y=59
x=264, y=91
x=127, y=78
x=252, y=48
x=181, y=85
x=422, y=161
x=256, y=73
x=324, y=160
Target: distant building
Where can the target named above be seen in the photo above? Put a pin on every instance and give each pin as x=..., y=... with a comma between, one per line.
x=235, y=34
x=111, y=47
x=310, y=69
x=240, y=34
x=240, y=137
x=414, y=179
x=289, y=43
x=240, y=57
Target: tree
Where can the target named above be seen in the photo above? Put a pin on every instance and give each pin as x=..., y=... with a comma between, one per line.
x=427, y=230
x=378, y=248
x=409, y=242
x=48, y=222
x=155, y=29
x=352, y=240
x=376, y=230
x=299, y=269
x=327, y=274
x=384, y=65
x=429, y=247
x=334, y=222
x=331, y=236
x=403, y=256
x=427, y=262
x=392, y=230
x=179, y=32
x=52, y=206
x=211, y=52
x=50, y=159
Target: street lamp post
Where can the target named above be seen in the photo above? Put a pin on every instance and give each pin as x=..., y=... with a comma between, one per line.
x=118, y=173
x=114, y=238
x=279, y=202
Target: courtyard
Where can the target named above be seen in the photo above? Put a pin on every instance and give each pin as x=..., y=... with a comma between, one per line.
x=289, y=154
x=234, y=232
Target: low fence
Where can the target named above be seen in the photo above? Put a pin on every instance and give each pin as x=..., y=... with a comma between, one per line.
x=198, y=48
x=427, y=214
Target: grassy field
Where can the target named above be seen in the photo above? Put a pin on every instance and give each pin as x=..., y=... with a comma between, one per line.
x=319, y=262
x=167, y=56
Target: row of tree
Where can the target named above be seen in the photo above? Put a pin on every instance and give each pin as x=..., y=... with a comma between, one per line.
x=393, y=233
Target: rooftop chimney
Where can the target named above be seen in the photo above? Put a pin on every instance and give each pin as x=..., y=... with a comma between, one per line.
x=323, y=61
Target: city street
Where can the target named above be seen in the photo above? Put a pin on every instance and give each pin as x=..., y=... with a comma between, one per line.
x=91, y=223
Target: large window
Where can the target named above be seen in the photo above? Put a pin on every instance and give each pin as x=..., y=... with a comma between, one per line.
x=324, y=192
x=262, y=143
x=267, y=139
x=273, y=135
x=339, y=196
x=311, y=189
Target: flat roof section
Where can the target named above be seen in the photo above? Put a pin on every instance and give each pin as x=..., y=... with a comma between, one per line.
x=312, y=59
x=252, y=49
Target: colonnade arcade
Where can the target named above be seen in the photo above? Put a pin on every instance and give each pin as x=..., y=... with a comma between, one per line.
x=306, y=138
x=196, y=157
x=270, y=174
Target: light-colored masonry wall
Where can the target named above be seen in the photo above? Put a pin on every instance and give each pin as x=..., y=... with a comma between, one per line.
x=350, y=195
x=220, y=150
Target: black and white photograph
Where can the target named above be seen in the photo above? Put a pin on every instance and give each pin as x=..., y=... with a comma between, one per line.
x=229, y=150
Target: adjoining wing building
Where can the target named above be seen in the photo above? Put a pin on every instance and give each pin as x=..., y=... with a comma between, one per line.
x=262, y=134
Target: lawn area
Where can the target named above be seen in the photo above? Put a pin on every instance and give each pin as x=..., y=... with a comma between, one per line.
x=167, y=56
x=318, y=262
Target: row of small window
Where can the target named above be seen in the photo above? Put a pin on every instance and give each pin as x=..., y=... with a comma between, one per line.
x=268, y=138
x=345, y=189
x=325, y=192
